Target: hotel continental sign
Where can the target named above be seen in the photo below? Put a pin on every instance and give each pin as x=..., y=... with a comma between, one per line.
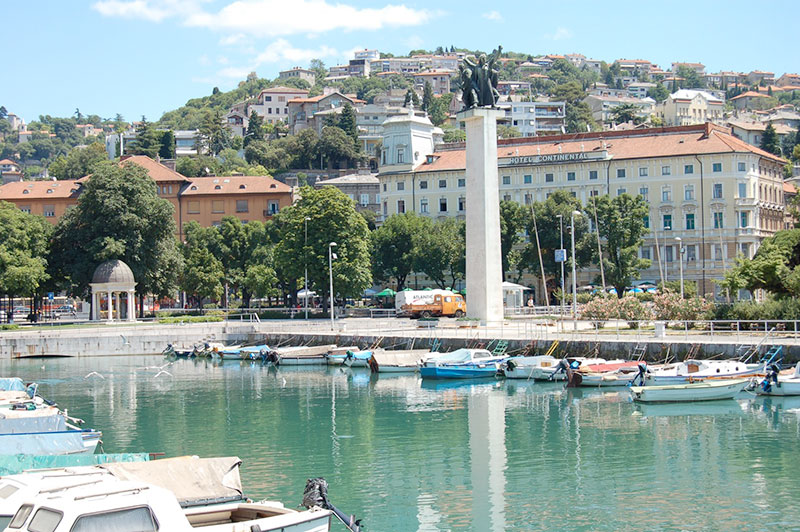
x=720, y=195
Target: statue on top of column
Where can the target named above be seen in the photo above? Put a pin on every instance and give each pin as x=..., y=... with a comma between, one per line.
x=479, y=80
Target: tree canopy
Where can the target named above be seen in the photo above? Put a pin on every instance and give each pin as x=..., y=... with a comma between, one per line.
x=24, y=246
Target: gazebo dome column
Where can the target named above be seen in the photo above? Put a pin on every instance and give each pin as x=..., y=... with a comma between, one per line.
x=131, y=305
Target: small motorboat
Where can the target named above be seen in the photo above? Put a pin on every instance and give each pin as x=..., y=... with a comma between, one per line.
x=776, y=383
x=309, y=355
x=706, y=390
x=461, y=364
x=694, y=369
x=523, y=367
x=550, y=373
x=397, y=361
x=351, y=357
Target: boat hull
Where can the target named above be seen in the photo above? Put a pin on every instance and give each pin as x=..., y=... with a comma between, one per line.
x=316, y=360
x=784, y=388
x=386, y=368
x=51, y=443
x=457, y=372
x=701, y=391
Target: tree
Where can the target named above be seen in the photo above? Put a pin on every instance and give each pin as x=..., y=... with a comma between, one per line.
x=246, y=257
x=513, y=219
x=214, y=134
x=427, y=97
x=202, y=275
x=148, y=141
x=659, y=93
x=347, y=123
x=79, y=162
x=441, y=254
x=24, y=243
x=335, y=145
x=167, y=141
x=411, y=97
x=626, y=112
x=508, y=132
x=255, y=128
x=396, y=245
x=333, y=218
x=621, y=223
x=769, y=141
x=452, y=134
x=118, y=216
x=691, y=79
x=440, y=109
x=775, y=267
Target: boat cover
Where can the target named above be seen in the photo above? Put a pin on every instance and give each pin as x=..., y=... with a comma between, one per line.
x=11, y=384
x=66, y=442
x=37, y=421
x=410, y=357
x=454, y=357
x=17, y=463
x=194, y=481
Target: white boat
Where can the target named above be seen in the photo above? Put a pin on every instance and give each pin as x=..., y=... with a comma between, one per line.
x=619, y=377
x=397, y=361
x=550, y=373
x=178, y=495
x=524, y=367
x=707, y=390
x=776, y=384
x=690, y=370
x=313, y=355
x=461, y=364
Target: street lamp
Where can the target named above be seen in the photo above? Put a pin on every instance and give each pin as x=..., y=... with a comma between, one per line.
x=330, y=271
x=305, y=259
x=680, y=260
x=574, y=281
x=561, y=232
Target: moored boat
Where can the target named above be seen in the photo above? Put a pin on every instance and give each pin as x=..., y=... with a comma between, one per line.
x=777, y=384
x=707, y=390
x=523, y=367
x=397, y=361
x=694, y=369
x=302, y=355
x=461, y=364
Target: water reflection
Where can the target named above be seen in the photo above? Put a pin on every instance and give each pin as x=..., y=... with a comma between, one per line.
x=480, y=455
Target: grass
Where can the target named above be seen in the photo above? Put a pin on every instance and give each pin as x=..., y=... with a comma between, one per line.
x=190, y=319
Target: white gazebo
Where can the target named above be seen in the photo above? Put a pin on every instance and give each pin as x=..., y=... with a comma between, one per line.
x=513, y=295
x=112, y=283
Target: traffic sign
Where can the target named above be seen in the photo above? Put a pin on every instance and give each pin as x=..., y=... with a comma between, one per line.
x=561, y=255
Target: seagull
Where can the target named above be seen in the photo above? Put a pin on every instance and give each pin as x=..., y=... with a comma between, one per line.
x=162, y=371
x=160, y=368
x=94, y=374
x=124, y=340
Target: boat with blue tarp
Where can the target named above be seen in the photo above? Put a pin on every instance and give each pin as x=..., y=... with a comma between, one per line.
x=461, y=364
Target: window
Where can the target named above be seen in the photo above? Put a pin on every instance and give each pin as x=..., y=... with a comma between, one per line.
x=194, y=207
x=644, y=192
x=25, y=208
x=592, y=174
x=645, y=253
x=716, y=251
x=716, y=167
x=570, y=176
x=528, y=199
x=668, y=253
x=742, y=190
x=690, y=221
x=688, y=169
x=21, y=515
x=688, y=192
x=691, y=252
x=241, y=205
x=49, y=211
x=667, y=222
x=742, y=167
x=423, y=206
x=423, y=185
x=642, y=172
x=274, y=207
x=462, y=182
x=217, y=206
x=666, y=193
x=401, y=206
x=743, y=219
x=528, y=179
x=269, y=110
x=621, y=191
x=506, y=179
x=717, y=220
x=716, y=192
x=620, y=173
x=462, y=204
x=128, y=520
x=666, y=170
x=594, y=193
x=45, y=520
x=548, y=178
x=401, y=185
x=442, y=204
x=646, y=221
x=267, y=98
x=400, y=155
x=364, y=200
x=443, y=183
x=384, y=187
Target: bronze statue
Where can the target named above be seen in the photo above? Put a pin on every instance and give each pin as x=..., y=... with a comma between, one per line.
x=479, y=80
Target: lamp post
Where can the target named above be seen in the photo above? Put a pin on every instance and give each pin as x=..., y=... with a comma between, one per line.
x=574, y=280
x=330, y=271
x=561, y=232
x=680, y=260
x=305, y=260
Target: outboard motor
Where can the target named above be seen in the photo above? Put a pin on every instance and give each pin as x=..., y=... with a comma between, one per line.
x=561, y=367
x=772, y=377
x=641, y=376
x=316, y=494
x=510, y=364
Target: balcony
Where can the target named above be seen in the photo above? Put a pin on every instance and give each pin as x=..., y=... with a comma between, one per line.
x=746, y=202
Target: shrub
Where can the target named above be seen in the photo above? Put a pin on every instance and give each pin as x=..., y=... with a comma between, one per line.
x=9, y=327
x=600, y=309
x=190, y=319
x=633, y=310
x=769, y=309
x=582, y=297
x=668, y=306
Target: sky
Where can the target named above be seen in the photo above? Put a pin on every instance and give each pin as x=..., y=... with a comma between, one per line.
x=145, y=57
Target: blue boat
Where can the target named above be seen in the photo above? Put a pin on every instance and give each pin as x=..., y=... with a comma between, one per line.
x=462, y=364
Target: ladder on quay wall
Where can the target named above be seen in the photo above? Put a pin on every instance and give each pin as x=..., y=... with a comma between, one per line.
x=638, y=352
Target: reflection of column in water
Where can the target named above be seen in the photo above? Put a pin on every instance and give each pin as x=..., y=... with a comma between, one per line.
x=427, y=516
x=487, y=447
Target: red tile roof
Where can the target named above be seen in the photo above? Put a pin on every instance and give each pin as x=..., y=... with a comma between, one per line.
x=8, y=161
x=202, y=186
x=750, y=94
x=21, y=190
x=789, y=188
x=282, y=89
x=621, y=145
x=157, y=171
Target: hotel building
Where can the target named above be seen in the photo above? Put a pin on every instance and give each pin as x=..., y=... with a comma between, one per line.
x=720, y=195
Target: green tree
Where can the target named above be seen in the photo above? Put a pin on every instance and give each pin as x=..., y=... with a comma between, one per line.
x=246, y=256
x=333, y=218
x=347, y=122
x=255, y=128
x=214, y=134
x=440, y=109
x=79, y=162
x=118, y=216
x=395, y=246
x=769, y=141
x=513, y=219
x=335, y=145
x=441, y=252
x=452, y=134
x=167, y=141
x=427, y=97
x=202, y=275
x=659, y=93
x=691, y=79
x=24, y=246
x=776, y=265
x=508, y=132
x=621, y=223
x=148, y=141
x=411, y=97
x=626, y=112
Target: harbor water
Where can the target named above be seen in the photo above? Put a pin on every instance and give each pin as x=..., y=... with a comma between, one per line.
x=481, y=455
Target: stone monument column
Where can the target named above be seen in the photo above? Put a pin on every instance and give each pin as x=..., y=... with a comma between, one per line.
x=484, y=263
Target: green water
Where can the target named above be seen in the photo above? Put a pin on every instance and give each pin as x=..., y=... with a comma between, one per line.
x=407, y=455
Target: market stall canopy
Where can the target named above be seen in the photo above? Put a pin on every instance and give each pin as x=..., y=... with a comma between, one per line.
x=386, y=292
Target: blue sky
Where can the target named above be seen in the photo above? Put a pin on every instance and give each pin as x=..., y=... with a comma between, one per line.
x=144, y=57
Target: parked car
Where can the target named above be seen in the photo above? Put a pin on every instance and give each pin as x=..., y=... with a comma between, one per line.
x=64, y=310
x=21, y=313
